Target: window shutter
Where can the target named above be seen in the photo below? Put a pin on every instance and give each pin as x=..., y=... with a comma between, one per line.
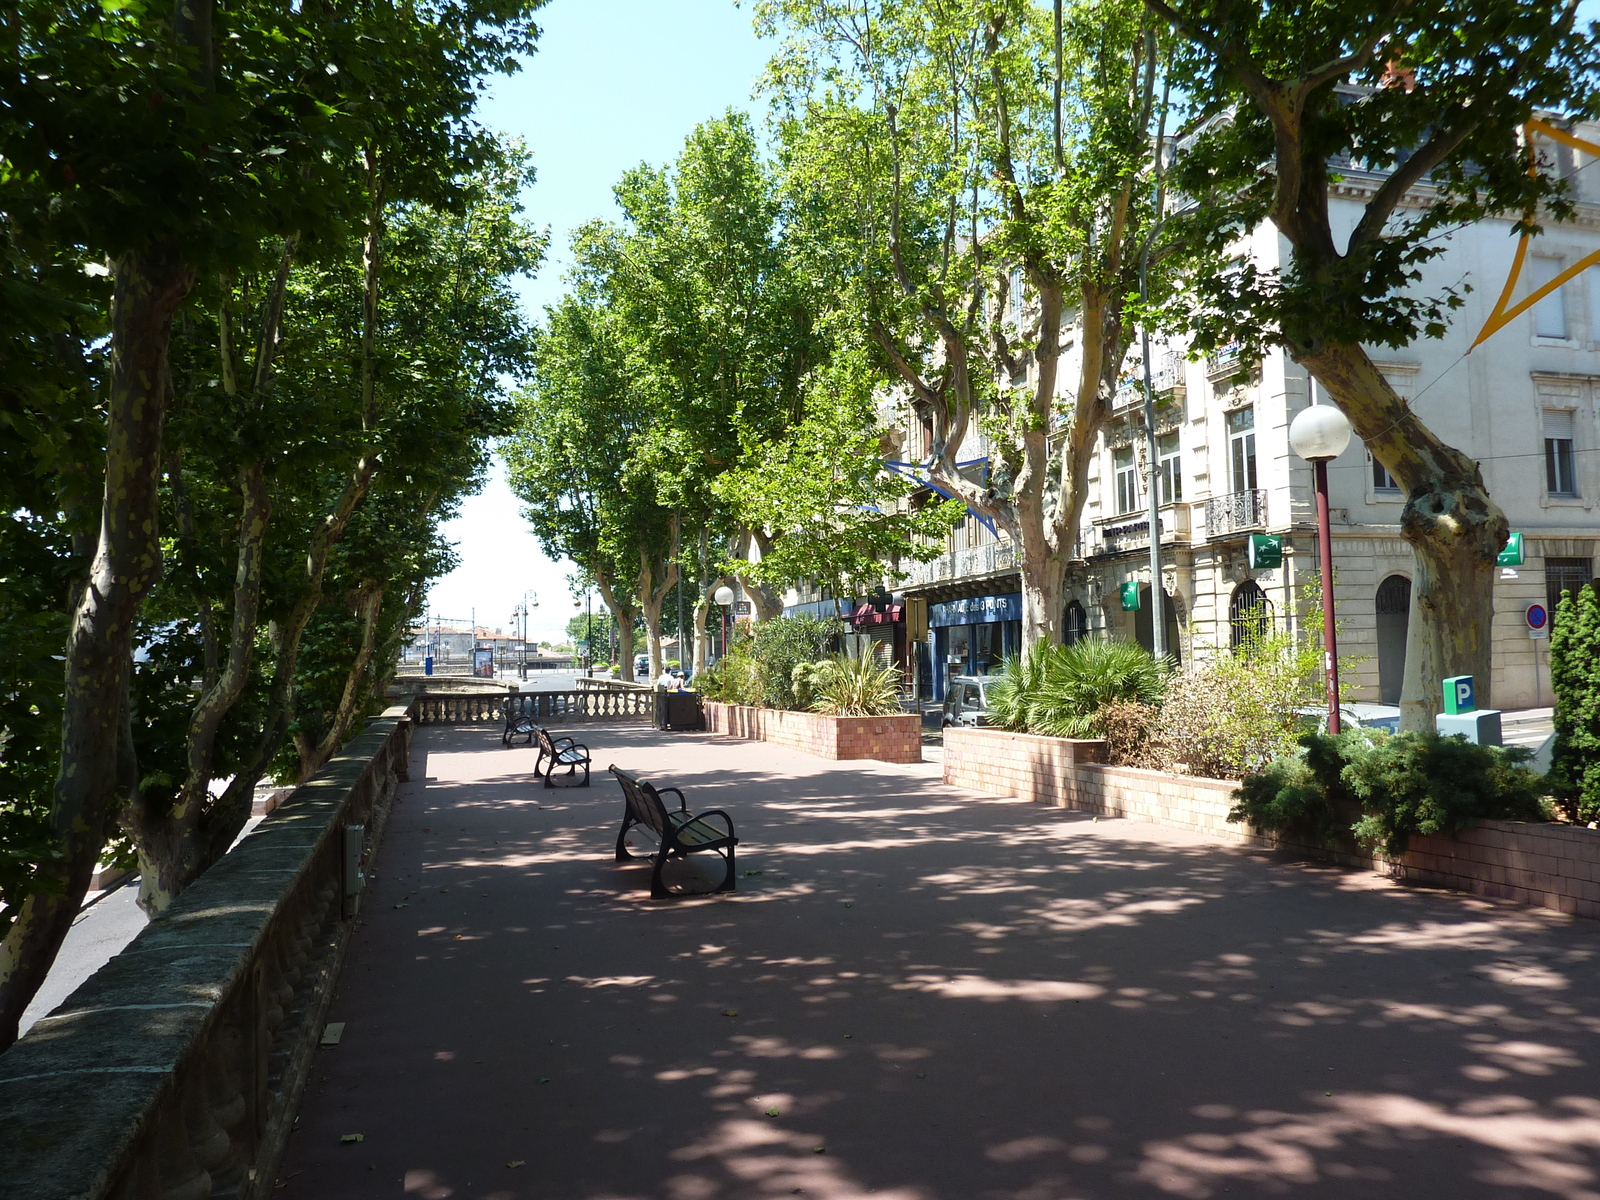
x=1558, y=424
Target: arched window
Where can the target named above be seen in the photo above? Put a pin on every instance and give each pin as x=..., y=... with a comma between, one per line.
x=1249, y=615
x=1076, y=625
x=1393, y=604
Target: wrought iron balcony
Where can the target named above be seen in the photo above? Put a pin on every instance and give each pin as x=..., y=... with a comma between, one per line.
x=974, y=562
x=1236, y=512
x=1229, y=360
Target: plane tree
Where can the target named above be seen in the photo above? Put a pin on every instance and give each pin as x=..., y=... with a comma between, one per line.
x=976, y=178
x=1415, y=111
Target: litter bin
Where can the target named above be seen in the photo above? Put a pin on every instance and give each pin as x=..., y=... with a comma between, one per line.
x=427, y=665
x=678, y=710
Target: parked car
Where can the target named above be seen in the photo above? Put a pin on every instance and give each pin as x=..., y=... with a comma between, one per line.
x=966, y=700
x=641, y=665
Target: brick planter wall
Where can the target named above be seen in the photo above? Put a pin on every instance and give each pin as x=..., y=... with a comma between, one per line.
x=896, y=739
x=1552, y=866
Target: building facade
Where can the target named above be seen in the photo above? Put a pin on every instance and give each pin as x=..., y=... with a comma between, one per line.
x=1525, y=404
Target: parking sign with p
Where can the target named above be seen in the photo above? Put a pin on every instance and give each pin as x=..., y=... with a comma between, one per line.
x=1458, y=695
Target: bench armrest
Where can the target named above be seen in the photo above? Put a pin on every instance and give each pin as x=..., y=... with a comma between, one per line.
x=683, y=805
x=572, y=745
x=717, y=812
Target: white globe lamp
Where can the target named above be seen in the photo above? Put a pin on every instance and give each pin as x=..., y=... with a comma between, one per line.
x=723, y=596
x=1319, y=433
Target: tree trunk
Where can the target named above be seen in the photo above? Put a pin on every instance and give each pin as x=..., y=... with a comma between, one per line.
x=172, y=852
x=150, y=286
x=354, y=696
x=654, y=566
x=624, y=614
x=702, y=609
x=1455, y=530
x=232, y=809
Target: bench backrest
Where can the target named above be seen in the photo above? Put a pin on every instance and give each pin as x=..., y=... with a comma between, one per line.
x=545, y=743
x=643, y=803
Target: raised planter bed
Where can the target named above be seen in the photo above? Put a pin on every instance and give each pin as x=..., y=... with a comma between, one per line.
x=1552, y=866
x=896, y=739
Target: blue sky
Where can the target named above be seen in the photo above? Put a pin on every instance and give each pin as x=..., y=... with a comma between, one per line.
x=615, y=82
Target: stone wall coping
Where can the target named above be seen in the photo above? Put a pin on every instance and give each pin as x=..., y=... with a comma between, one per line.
x=88, y=1082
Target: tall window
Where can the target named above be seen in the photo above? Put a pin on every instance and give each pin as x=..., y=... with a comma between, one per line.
x=1550, y=314
x=1242, y=449
x=1016, y=295
x=1565, y=575
x=1170, y=467
x=1560, y=473
x=1249, y=615
x=1127, y=480
x=1076, y=624
x=1382, y=481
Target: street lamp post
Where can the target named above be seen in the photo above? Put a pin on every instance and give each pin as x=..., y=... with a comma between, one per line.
x=1319, y=435
x=724, y=596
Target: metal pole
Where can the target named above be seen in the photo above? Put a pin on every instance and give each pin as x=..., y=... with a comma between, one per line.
x=1330, y=645
x=1158, y=593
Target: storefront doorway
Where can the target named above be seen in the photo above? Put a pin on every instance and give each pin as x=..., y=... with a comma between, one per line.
x=973, y=636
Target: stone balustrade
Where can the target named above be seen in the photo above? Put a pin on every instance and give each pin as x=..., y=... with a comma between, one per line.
x=175, y=1071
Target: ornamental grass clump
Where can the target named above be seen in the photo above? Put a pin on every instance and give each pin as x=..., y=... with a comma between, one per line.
x=855, y=687
x=1057, y=690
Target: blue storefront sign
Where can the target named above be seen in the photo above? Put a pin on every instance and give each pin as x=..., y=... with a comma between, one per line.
x=976, y=610
x=971, y=636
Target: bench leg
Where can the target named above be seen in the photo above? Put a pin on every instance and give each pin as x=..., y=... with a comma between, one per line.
x=658, y=890
x=727, y=884
x=623, y=854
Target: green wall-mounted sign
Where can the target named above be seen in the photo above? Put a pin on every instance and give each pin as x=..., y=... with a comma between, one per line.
x=1266, y=551
x=1130, y=596
x=1511, y=556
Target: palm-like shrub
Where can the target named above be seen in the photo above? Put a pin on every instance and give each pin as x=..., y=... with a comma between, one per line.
x=1056, y=690
x=855, y=687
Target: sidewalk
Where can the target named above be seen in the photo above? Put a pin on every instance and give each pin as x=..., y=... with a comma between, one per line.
x=924, y=994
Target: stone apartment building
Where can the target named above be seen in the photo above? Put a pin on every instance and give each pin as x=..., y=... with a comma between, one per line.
x=1526, y=403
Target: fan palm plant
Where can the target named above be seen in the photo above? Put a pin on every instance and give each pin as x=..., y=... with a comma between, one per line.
x=1056, y=690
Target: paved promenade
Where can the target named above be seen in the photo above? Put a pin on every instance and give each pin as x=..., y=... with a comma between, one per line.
x=923, y=994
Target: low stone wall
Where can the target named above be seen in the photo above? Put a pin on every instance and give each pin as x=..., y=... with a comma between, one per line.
x=176, y=1069
x=896, y=739
x=1552, y=866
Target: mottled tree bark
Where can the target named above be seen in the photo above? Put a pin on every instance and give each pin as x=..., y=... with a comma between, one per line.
x=149, y=287
x=658, y=571
x=1456, y=531
x=172, y=849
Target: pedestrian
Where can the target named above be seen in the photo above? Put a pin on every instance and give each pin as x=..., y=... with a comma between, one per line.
x=665, y=680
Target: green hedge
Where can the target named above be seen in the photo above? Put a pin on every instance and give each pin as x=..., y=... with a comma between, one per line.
x=1405, y=783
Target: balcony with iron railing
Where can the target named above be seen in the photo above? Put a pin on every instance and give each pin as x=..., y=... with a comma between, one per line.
x=973, y=562
x=1226, y=362
x=1236, y=513
x=1166, y=381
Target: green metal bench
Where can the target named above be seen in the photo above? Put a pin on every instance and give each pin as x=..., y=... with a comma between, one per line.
x=679, y=834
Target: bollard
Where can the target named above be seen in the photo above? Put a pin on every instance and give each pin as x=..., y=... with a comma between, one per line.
x=354, y=877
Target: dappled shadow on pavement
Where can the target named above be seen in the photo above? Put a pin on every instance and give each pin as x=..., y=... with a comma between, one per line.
x=925, y=994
